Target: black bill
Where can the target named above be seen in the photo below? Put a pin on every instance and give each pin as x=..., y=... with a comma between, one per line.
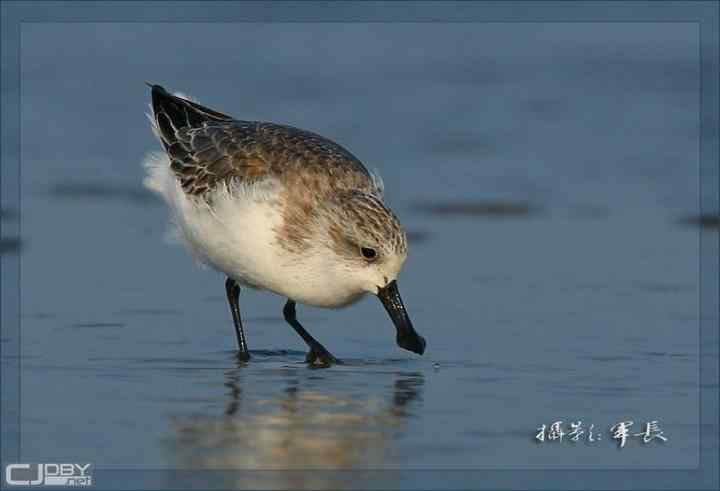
x=407, y=337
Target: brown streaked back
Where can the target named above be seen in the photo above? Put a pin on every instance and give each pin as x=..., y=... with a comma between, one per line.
x=207, y=148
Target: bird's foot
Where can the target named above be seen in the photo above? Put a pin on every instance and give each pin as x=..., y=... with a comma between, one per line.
x=319, y=356
x=243, y=356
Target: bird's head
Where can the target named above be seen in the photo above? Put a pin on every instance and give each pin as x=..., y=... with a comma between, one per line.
x=368, y=246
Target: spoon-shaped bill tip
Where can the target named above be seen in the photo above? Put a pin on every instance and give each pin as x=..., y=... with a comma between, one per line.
x=407, y=338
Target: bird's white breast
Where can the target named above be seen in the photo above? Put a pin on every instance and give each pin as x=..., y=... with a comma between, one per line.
x=237, y=235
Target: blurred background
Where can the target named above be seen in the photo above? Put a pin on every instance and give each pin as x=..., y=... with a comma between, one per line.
x=547, y=175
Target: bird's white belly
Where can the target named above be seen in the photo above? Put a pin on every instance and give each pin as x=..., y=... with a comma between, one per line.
x=240, y=241
x=237, y=236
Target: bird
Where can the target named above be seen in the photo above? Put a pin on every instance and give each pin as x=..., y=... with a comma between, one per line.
x=278, y=208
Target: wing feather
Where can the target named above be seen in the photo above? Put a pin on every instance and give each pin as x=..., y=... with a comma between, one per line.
x=207, y=148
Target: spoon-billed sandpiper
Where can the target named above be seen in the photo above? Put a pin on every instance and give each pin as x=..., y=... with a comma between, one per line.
x=281, y=209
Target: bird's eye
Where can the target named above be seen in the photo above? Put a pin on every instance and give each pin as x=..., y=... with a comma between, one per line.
x=368, y=253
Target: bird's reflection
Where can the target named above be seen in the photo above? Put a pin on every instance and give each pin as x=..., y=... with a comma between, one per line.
x=336, y=422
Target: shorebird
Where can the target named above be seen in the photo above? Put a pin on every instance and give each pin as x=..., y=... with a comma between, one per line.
x=278, y=208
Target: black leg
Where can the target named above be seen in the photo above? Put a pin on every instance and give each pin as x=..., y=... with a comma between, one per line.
x=233, y=294
x=317, y=350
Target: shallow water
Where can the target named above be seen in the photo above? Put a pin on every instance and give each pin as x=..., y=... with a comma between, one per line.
x=553, y=269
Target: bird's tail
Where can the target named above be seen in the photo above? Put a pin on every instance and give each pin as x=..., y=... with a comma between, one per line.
x=171, y=113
